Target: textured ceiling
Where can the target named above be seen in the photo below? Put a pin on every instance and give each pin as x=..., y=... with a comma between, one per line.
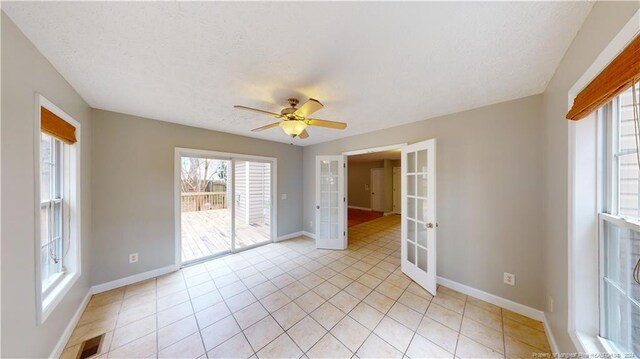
x=373, y=65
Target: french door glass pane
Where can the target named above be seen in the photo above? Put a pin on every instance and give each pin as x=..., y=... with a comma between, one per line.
x=329, y=199
x=253, y=203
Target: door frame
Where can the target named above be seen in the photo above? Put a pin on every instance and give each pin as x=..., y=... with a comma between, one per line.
x=371, y=172
x=180, y=152
x=397, y=146
x=397, y=209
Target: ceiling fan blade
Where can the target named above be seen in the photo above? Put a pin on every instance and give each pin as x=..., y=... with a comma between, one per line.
x=258, y=111
x=325, y=123
x=309, y=107
x=304, y=134
x=275, y=124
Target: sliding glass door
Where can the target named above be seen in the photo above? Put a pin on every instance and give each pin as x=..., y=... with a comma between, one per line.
x=225, y=203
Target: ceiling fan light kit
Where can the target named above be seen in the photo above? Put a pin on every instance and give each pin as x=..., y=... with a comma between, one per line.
x=294, y=121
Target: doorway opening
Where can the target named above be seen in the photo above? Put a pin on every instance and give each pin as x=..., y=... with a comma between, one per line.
x=373, y=184
x=224, y=203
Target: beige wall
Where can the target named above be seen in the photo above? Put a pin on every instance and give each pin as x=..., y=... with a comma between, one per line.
x=489, y=181
x=26, y=72
x=603, y=23
x=133, y=187
x=359, y=176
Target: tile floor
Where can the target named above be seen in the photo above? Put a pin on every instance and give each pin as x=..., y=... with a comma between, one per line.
x=288, y=299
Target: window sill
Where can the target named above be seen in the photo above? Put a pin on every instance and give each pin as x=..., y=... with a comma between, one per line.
x=594, y=344
x=56, y=294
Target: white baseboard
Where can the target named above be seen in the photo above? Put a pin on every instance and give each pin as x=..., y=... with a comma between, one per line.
x=552, y=339
x=99, y=288
x=494, y=299
x=309, y=234
x=290, y=235
x=64, y=338
x=389, y=213
x=362, y=208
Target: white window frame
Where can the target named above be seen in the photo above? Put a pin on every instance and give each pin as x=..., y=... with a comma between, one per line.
x=47, y=301
x=180, y=152
x=584, y=202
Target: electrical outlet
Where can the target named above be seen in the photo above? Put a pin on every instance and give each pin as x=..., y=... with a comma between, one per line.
x=283, y=196
x=509, y=278
x=311, y=224
x=550, y=304
x=133, y=257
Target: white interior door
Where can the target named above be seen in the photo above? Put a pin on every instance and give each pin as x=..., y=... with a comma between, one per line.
x=377, y=189
x=330, y=202
x=419, y=213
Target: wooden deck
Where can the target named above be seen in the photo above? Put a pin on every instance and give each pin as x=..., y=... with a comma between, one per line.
x=205, y=233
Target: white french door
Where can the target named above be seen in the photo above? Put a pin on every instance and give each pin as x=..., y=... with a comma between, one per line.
x=418, y=241
x=331, y=202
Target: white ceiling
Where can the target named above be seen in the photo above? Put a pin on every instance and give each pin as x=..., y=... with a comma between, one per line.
x=374, y=65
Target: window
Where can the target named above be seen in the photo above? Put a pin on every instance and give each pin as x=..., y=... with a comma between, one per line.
x=52, y=219
x=620, y=228
x=58, y=199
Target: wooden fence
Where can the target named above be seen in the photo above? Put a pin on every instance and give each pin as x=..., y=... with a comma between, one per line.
x=202, y=201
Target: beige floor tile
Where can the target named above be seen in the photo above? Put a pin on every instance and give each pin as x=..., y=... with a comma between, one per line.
x=329, y=347
x=405, y=316
x=294, y=290
x=486, y=317
x=289, y=315
x=327, y=315
x=275, y=301
x=197, y=279
x=189, y=347
x=143, y=299
x=449, y=302
x=523, y=320
x=283, y=280
x=236, y=347
x=352, y=273
x=483, y=334
x=366, y=315
x=133, y=331
x=205, y=301
x=174, y=314
x=421, y=347
x=438, y=333
x=390, y=290
x=445, y=316
x=177, y=331
x=369, y=280
x=344, y=301
x=240, y=301
x=450, y=292
x=326, y=290
x=262, y=333
x=517, y=349
x=394, y=333
x=350, y=333
x=218, y=332
x=232, y=289
x=212, y=314
x=91, y=330
x=100, y=313
x=142, y=347
x=419, y=291
x=374, y=347
x=263, y=290
x=254, y=280
x=250, y=315
x=306, y=333
x=379, y=301
x=201, y=289
x=172, y=299
x=358, y=290
x=309, y=301
x=494, y=309
x=311, y=281
x=281, y=347
x=467, y=348
x=340, y=281
x=414, y=302
x=526, y=334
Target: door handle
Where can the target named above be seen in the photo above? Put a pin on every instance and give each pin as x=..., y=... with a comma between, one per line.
x=317, y=207
x=428, y=225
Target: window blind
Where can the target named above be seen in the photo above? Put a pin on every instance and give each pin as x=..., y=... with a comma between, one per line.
x=53, y=125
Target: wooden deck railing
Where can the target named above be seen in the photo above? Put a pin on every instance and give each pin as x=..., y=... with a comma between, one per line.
x=202, y=201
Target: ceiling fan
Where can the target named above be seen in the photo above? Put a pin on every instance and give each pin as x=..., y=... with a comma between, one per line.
x=295, y=120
